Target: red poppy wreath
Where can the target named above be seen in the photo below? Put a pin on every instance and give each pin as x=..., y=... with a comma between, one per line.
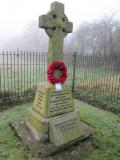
x=57, y=66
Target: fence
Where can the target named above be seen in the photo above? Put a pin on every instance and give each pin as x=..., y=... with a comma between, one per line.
x=90, y=76
x=97, y=80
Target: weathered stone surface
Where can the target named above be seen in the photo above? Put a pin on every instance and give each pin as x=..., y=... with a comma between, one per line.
x=57, y=26
x=44, y=149
x=37, y=125
x=65, y=128
x=50, y=102
x=41, y=99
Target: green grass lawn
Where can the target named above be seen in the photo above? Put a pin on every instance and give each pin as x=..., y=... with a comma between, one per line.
x=106, y=138
x=21, y=78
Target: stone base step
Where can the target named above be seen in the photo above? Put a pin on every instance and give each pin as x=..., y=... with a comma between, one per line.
x=45, y=149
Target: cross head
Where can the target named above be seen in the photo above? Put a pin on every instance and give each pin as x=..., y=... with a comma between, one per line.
x=57, y=26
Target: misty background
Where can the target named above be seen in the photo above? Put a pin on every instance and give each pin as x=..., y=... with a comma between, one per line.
x=96, y=26
x=101, y=37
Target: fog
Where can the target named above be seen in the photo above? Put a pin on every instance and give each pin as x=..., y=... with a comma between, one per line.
x=19, y=21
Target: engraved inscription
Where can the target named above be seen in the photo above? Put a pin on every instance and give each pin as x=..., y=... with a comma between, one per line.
x=65, y=128
x=67, y=125
x=60, y=101
x=40, y=99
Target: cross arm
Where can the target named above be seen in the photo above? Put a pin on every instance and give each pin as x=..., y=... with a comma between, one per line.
x=68, y=27
x=46, y=22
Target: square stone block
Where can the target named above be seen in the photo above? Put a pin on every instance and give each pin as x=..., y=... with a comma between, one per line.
x=50, y=102
x=64, y=128
x=37, y=125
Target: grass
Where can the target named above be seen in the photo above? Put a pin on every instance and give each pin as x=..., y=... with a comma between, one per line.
x=111, y=103
x=106, y=139
x=19, y=79
x=107, y=135
x=101, y=86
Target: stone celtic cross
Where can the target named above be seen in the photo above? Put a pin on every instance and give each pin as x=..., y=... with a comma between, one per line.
x=57, y=26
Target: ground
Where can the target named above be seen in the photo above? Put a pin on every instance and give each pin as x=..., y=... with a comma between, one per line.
x=103, y=145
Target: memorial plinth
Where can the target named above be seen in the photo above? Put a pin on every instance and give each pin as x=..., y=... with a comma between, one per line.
x=53, y=117
x=52, y=123
x=48, y=103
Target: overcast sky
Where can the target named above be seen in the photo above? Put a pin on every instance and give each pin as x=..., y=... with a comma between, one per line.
x=16, y=14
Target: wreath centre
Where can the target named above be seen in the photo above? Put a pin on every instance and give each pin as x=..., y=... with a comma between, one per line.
x=57, y=72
